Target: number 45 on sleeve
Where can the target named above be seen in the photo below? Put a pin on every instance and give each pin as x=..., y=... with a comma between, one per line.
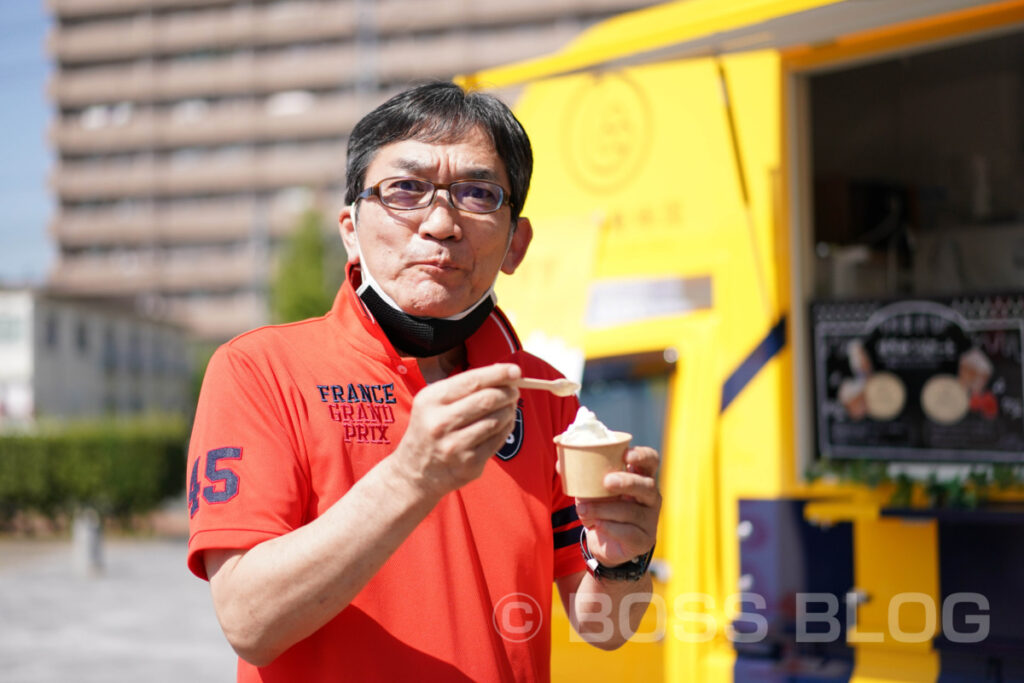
x=216, y=473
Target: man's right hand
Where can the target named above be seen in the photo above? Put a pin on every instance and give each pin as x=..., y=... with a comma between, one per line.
x=456, y=425
x=273, y=595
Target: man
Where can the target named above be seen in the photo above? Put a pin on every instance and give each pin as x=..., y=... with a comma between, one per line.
x=371, y=498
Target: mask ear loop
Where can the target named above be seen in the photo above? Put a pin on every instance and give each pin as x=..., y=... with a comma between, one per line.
x=355, y=228
x=368, y=280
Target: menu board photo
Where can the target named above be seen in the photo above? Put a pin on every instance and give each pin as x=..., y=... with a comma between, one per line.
x=927, y=380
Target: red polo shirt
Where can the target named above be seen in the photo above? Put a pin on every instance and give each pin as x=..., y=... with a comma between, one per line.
x=291, y=416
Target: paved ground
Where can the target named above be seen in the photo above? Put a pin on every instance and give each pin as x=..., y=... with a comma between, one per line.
x=145, y=618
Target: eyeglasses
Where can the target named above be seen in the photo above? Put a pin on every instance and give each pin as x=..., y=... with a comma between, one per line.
x=406, y=194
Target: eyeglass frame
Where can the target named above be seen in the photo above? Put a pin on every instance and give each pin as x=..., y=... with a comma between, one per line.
x=374, y=190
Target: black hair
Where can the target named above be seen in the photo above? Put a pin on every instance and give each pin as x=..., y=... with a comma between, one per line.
x=441, y=112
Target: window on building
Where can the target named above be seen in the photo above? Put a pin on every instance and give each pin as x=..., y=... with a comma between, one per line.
x=191, y=110
x=135, y=352
x=184, y=156
x=290, y=102
x=158, y=358
x=121, y=113
x=82, y=336
x=52, y=331
x=110, y=349
x=10, y=329
x=95, y=116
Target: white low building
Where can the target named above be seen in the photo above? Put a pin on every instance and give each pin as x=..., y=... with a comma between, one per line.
x=62, y=358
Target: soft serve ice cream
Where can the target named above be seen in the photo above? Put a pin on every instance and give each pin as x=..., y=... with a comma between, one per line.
x=585, y=430
x=587, y=451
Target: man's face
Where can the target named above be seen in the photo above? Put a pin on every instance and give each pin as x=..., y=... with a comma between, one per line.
x=436, y=261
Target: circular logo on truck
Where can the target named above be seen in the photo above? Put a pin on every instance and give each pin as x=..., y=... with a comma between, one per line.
x=607, y=131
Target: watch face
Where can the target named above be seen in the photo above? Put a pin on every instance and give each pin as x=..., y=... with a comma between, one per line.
x=884, y=394
x=944, y=400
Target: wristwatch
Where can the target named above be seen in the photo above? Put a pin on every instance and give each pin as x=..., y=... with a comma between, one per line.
x=627, y=571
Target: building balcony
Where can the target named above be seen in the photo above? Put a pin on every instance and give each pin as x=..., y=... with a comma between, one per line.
x=127, y=37
x=239, y=73
x=403, y=59
x=73, y=9
x=116, y=275
x=403, y=16
x=322, y=67
x=103, y=228
x=219, y=317
x=239, y=171
x=214, y=269
x=129, y=272
x=225, y=220
x=239, y=26
x=208, y=222
x=219, y=124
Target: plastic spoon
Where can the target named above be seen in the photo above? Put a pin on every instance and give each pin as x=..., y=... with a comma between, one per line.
x=558, y=387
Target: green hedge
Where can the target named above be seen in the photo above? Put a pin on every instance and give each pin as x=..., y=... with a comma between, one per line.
x=119, y=469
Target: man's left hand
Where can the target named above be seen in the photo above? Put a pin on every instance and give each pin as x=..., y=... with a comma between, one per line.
x=625, y=526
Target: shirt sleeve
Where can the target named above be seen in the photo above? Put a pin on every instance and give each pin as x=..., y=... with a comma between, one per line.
x=565, y=524
x=246, y=483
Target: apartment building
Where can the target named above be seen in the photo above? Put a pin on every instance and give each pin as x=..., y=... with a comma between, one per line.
x=191, y=133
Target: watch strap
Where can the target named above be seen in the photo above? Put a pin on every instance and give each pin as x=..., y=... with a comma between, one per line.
x=633, y=570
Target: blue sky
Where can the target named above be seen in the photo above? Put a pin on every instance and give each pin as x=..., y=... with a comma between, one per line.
x=25, y=158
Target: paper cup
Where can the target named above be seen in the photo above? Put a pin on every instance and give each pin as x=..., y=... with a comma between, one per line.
x=584, y=467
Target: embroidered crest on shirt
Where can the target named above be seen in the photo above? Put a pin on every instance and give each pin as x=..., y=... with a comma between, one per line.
x=514, y=441
x=364, y=410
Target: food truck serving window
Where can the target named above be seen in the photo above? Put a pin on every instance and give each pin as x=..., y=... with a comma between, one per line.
x=918, y=234
x=918, y=161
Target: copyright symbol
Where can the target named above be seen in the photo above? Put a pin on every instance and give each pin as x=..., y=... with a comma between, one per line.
x=517, y=617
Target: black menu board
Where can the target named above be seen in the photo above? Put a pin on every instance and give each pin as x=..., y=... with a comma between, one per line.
x=929, y=380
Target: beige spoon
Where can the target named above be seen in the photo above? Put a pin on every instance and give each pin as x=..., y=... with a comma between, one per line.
x=558, y=387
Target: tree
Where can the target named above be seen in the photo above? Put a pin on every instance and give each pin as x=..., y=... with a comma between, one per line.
x=309, y=272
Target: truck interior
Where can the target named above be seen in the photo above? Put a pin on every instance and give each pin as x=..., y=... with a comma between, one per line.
x=918, y=172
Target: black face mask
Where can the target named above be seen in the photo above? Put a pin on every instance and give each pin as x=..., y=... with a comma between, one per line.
x=420, y=336
x=417, y=336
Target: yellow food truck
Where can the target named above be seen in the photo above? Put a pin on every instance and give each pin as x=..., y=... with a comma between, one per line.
x=783, y=242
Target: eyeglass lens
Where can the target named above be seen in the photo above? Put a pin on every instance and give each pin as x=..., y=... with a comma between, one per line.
x=475, y=196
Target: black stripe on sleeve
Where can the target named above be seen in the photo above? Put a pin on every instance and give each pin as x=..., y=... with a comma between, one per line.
x=564, y=516
x=568, y=537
